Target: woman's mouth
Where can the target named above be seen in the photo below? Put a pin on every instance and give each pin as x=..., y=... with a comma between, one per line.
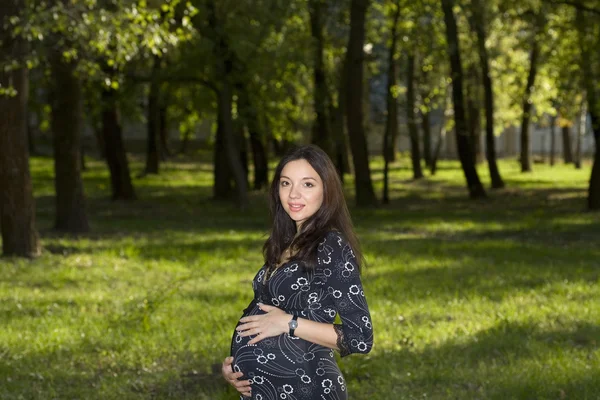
x=296, y=207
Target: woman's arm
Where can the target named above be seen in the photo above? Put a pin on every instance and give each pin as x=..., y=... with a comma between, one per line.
x=316, y=332
x=344, y=291
x=275, y=322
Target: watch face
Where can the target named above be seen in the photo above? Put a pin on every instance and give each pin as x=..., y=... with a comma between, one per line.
x=293, y=324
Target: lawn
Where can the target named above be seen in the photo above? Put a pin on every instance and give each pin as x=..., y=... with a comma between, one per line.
x=495, y=299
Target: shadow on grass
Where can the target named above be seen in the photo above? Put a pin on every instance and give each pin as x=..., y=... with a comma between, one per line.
x=75, y=379
x=493, y=364
x=492, y=267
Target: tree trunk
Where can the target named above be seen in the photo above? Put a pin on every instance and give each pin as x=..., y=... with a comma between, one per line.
x=552, y=140
x=241, y=145
x=594, y=188
x=259, y=155
x=100, y=145
x=67, y=124
x=114, y=150
x=321, y=132
x=338, y=126
x=224, y=63
x=438, y=148
x=581, y=127
x=225, y=100
x=259, y=158
x=391, y=122
x=426, y=128
x=165, y=152
x=415, y=153
x=222, y=183
x=593, y=107
x=474, y=114
x=465, y=155
x=17, y=205
x=153, y=120
x=488, y=93
x=441, y=137
x=365, y=196
x=567, y=151
x=525, y=140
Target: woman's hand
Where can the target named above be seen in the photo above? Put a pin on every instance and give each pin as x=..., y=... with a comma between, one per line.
x=232, y=377
x=273, y=323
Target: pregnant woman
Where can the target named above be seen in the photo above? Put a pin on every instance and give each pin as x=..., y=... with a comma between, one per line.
x=282, y=347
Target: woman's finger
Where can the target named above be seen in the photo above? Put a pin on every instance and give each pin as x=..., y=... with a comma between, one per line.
x=233, y=377
x=266, y=307
x=245, y=385
x=257, y=339
x=246, y=326
x=249, y=332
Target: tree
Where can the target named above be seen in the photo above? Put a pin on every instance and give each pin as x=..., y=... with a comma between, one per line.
x=462, y=139
x=590, y=80
x=537, y=23
x=365, y=196
x=567, y=151
x=391, y=122
x=224, y=64
x=478, y=25
x=114, y=150
x=67, y=124
x=17, y=205
x=413, y=131
x=321, y=132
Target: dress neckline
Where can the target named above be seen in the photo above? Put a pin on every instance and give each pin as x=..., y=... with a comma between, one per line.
x=269, y=276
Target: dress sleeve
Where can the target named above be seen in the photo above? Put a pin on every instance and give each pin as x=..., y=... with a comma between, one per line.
x=344, y=287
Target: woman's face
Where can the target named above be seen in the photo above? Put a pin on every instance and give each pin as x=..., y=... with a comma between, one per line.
x=300, y=190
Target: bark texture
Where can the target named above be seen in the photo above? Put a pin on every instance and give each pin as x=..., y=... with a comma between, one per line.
x=525, y=121
x=321, y=132
x=114, y=150
x=391, y=122
x=365, y=196
x=67, y=124
x=17, y=205
x=593, y=107
x=413, y=131
x=465, y=155
x=488, y=93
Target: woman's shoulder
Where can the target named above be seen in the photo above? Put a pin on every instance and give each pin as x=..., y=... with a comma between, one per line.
x=333, y=238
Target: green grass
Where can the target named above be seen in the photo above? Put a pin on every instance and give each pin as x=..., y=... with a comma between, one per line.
x=495, y=299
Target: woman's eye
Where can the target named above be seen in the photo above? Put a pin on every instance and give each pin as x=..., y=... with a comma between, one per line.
x=308, y=184
x=284, y=183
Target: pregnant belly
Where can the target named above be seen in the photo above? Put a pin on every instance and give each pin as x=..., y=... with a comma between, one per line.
x=281, y=356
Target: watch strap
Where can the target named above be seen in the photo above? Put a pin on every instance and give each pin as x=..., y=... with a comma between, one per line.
x=293, y=324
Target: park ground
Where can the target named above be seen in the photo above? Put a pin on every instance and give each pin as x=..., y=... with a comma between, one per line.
x=493, y=299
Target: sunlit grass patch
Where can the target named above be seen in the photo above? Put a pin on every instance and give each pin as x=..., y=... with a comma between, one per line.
x=493, y=299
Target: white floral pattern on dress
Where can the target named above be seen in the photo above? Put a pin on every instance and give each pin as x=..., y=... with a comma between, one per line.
x=291, y=368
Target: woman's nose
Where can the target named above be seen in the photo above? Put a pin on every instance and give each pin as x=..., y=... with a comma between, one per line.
x=294, y=192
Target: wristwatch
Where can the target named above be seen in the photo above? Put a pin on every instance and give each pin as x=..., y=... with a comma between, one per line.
x=293, y=324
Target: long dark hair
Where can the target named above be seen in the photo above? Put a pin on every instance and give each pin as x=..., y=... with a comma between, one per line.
x=333, y=215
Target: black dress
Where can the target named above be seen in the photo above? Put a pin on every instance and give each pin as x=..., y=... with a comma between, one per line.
x=290, y=368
